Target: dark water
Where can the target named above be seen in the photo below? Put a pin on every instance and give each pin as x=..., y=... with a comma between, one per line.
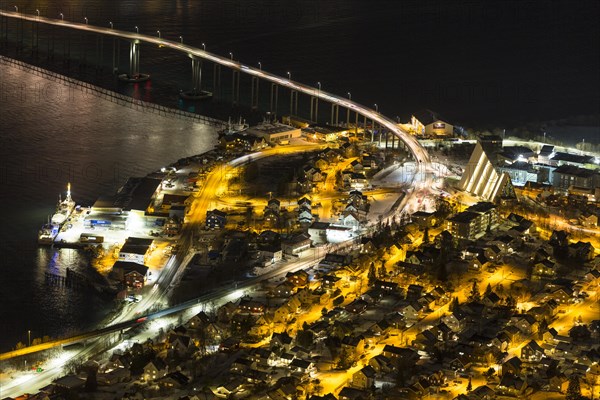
x=495, y=62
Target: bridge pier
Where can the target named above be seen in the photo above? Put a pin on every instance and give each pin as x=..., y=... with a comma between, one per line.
x=274, y=96
x=35, y=35
x=254, y=93
x=293, y=102
x=196, y=93
x=67, y=49
x=216, y=78
x=99, y=52
x=235, y=87
x=314, y=109
x=134, y=65
x=335, y=111
x=115, y=55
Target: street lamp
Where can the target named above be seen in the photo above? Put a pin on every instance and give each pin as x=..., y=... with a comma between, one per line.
x=38, y=12
x=204, y=46
x=260, y=65
x=289, y=74
x=62, y=16
x=376, y=108
x=29, y=337
x=181, y=39
x=349, y=96
x=319, y=85
x=86, y=20
x=231, y=55
x=158, y=34
x=137, y=30
x=111, y=24
x=16, y=8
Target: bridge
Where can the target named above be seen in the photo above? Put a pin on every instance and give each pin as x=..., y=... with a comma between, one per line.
x=198, y=55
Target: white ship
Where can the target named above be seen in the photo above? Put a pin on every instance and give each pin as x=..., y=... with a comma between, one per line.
x=64, y=208
x=232, y=128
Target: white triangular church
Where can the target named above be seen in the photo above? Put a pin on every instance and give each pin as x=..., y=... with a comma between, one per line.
x=480, y=178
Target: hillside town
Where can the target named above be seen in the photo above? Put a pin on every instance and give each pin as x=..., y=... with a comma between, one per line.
x=350, y=280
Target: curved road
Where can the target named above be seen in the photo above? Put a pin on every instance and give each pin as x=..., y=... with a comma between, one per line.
x=419, y=153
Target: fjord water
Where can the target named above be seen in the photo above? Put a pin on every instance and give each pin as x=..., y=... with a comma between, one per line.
x=498, y=63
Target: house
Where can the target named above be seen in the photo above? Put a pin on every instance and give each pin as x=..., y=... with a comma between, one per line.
x=512, y=366
x=250, y=307
x=386, y=286
x=285, y=289
x=532, y=352
x=457, y=321
x=271, y=218
x=301, y=366
x=136, y=250
x=305, y=215
x=275, y=205
x=357, y=306
x=298, y=278
x=423, y=219
x=364, y=378
x=430, y=124
x=545, y=269
x=270, y=254
x=330, y=282
x=349, y=393
x=525, y=322
x=173, y=380
x=215, y=219
x=305, y=202
x=400, y=355
x=282, y=341
x=296, y=244
x=132, y=274
x=583, y=251
x=512, y=385
x=154, y=369
x=354, y=344
x=181, y=344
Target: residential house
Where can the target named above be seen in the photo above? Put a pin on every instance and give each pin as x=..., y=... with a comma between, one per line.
x=532, y=352
x=215, y=219
x=155, y=369
x=364, y=378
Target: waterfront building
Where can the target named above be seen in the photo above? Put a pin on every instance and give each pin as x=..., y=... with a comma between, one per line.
x=431, y=124
x=131, y=274
x=136, y=250
x=274, y=131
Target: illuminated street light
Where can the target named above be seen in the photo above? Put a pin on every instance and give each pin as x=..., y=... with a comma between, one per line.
x=29, y=337
x=181, y=39
x=62, y=16
x=137, y=29
x=204, y=46
x=319, y=85
x=38, y=12
x=260, y=65
x=158, y=34
x=376, y=108
x=349, y=96
x=289, y=74
x=231, y=55
x=86, y=20
x=111, y=25
x=16, y=9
